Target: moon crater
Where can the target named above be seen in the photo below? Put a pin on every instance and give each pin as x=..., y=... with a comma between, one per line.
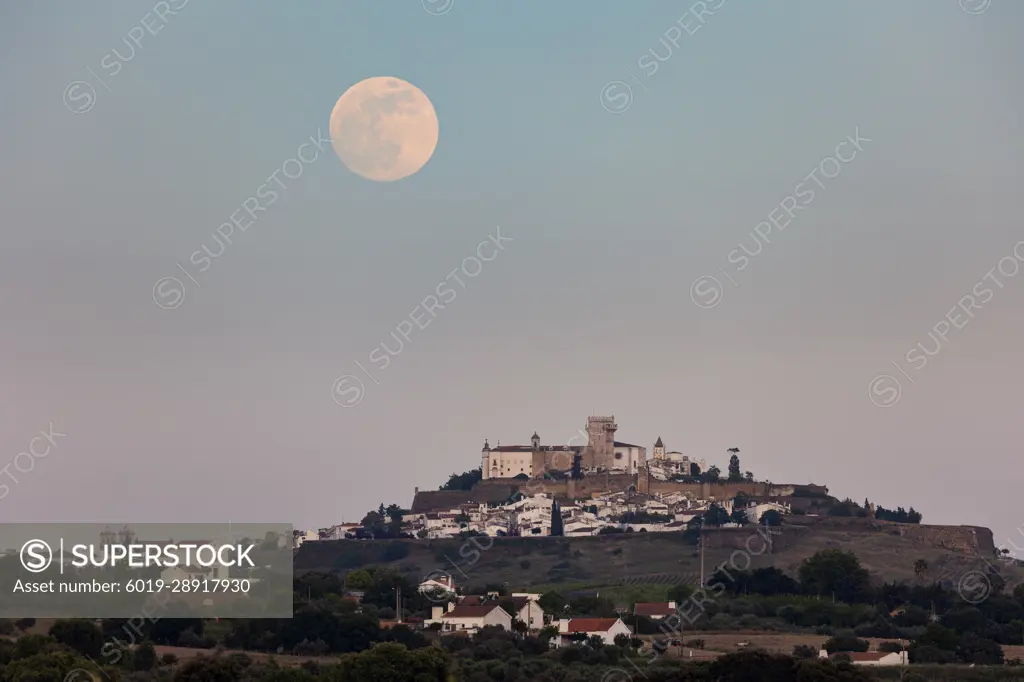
x=384, y=129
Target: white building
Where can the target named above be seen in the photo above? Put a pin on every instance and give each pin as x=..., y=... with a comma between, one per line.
x=601, y=452
x=605, y=628
x=628, y=457
x=471, y=618
x=506, y=461
x=530, y=612
x=300, y=536
x=678, y=460
x=527, y=607
x=438, y=585
x=756, y=511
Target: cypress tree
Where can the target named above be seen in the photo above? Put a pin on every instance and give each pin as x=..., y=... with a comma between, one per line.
x=556, y=520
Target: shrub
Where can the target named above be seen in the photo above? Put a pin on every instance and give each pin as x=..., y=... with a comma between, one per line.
x=891, y=646
x=846, y=643
x=805, y=651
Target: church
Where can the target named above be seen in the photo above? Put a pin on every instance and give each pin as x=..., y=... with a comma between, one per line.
x=601, y=453
x=676, y=461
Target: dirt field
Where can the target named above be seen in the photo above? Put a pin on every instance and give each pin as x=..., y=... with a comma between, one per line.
x=783, y=643
x=184, y=654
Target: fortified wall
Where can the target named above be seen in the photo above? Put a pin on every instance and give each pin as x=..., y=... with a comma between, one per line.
x=971, y=540
x=709, y=491
x=498, y=490
x=967, y=539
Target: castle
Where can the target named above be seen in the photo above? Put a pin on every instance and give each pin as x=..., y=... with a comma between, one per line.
x=601, y=453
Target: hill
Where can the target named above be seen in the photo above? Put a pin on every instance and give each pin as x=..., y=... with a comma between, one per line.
x=888, y=550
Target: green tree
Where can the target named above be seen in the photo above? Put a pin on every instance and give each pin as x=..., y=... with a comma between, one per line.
x=144, y=657
x=680, y=593
x=771, y=518
x=395, y=513
x=316, y=585
x=358, y=580
x=81, y=635
x=463, y=481
x=845, y=643
x=805, y=651
x=833, y=572
x=557, y=527
x=714, y=473
x=734, y=466
x=716, y=516
x=553, y=603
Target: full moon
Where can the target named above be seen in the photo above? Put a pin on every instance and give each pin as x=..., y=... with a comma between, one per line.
x=384, y=129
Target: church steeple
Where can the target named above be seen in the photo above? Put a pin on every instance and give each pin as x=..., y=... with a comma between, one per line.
x=487, y=446
x=659, y=449
x=535, y=439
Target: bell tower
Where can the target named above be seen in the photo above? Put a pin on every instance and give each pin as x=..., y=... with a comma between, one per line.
x=659, y=449
x=485, y=460
x=538, y=463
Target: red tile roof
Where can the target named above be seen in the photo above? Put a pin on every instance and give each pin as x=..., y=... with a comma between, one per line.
x=591, y=624
x=471, y=611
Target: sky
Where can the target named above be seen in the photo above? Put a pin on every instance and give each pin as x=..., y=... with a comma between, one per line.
x=619, y=184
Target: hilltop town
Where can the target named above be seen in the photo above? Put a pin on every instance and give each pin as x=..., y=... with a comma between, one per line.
x=596, y=485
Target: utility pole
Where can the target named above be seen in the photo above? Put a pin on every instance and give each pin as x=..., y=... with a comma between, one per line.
x=702, y=553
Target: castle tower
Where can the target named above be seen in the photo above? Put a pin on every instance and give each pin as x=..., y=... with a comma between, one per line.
x=643, y=478
x=601, y=433
x=108, y=536
x=535, y=439
x=659, y=449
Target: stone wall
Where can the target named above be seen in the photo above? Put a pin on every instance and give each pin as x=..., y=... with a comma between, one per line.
x=709, y=491
x=966, y=539
x=496, y=490
x=970, y=540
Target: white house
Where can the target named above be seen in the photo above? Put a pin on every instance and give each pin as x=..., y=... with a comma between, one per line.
x=605, y=628
x=300, y=536
x=529, y=611
x=756, y=511
x=438, y=586
x=473, y=618
x=876, y=658
x=527, y=606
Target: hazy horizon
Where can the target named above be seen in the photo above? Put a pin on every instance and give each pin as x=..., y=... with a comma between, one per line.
x=225, y=406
